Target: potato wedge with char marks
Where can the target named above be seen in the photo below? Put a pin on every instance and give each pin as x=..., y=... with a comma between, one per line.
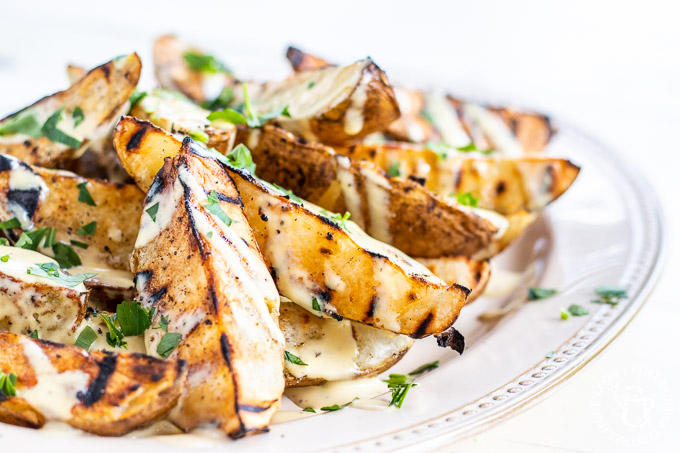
x=473, y=274
x=196, y=261
x=393, y=210
x=434, y=117
x=504, y=185
x=101, y=393
x=89, y=108
x=405, y=297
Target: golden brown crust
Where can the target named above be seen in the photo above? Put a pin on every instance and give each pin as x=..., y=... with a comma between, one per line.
x=504, y=185
x=125, y=390
x=420, y=222
x=302, y=61
x=100, y=95
x=473, y=274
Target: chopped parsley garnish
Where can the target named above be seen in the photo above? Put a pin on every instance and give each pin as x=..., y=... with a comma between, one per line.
x=4, y=241
x=574, y=310
x=289, y=194
x=534, y=293
x=423, y=368
x=82, y=245
x=132, y=318
x=50, y=237
x=136, y=96
x=248, y=116
x=78, y=116
x=443, y=149
x=199, y=136
x=25, y=242
x=164, y=323
x=394, y=169
x=337, y=407
x=34, y=335
x=466, y=199
x=4, y=259
x=204, y=63
x=8, y=384
x=22, y=123
x=229, y=115
x=550, y=354
x=86, y=337
x=315, y=304
x=114, y=337
x=241, y=157
x=153, y=211
x=400, y=384
x=213, y=206
x=292, y=358
x=220, y=102
x=11, y=223
x=339, y=219
x=87, y=230
x=30, y=240
x=65, y=255
x=51, y=271
x=168, y=344
x=49, y=130
x=309, y=409
x=610, y=295
x=84, y=195
x=210, y=234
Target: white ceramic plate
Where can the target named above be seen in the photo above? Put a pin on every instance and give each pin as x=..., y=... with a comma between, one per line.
x=605, y=230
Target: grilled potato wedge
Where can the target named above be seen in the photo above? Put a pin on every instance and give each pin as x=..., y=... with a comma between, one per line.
x=393, y=210
x=174, y=73
x=178, y=115
x=101, y=393
x=34, y=302
x=473, y=274
x=197, y=262
x=504, y=185
x=100, y=97
x=38, y=197
x=407, y=299
x=515, y=225
x=433, y=117
x=335, y=350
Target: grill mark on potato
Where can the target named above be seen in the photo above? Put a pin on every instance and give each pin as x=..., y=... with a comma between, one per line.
x=225, y=350
x=98, y=386
x=371, y=307
x=5, y=163
x=106, y=69
x=146, y=275
x=254, y=408
x=422, y=327
x=417, y=180
x=500, y=188
x=155, y=297
x=28, y=199
x=136, y=139
x=550, y=179
x=230, y=200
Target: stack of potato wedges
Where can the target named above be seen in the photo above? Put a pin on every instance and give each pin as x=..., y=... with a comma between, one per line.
x=188, y=252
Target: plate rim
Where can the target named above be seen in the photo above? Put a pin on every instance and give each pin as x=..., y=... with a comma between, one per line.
x=427, y=433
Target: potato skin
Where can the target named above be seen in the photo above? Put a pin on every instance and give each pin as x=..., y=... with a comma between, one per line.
x=473, y=274
x=234, y=353
x=137, y=389
x=100, y=94
x=118, y=208
x=504, y=185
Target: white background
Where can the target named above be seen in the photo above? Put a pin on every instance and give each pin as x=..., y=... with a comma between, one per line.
x=611, y=68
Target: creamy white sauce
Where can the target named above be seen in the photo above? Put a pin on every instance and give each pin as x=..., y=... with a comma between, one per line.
x=56, y=393
x=284, y=416
x=167, y=200
x=446, y=120
x=175, y=112
x=504, y=141
x=340, y=393
x=106, y=276
x=330, y=355
x=354, y=116
x=502, y=282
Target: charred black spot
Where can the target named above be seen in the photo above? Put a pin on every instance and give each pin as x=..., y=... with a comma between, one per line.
x=253, y=408
x=453, y=339
x=324, y=296
x=422, y=327
x=2, y=397
x=417, y=180
x=372, y=306
x=156, y=377
x=500, y=188
x=334, y=315
x=134, y=388
x=156, y=185
x=329, y=236
x=106, y=69
x=325, y=251
x=5, y=163
x=27, y=143
x=457, y=181
x=224, y=348
x=146, y=275
x=223, y=197
x=478, y=276
x=28, y=199
x=302, y=141
x=207, y=322
x=264, y=217
x=514, y=125
x=214, y=297
x=136, y=139
x=375, y=254
x=272, y=271
x=98, y=386
x=155, y=297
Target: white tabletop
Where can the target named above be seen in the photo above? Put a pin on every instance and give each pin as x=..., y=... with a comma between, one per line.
x=612, y=68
